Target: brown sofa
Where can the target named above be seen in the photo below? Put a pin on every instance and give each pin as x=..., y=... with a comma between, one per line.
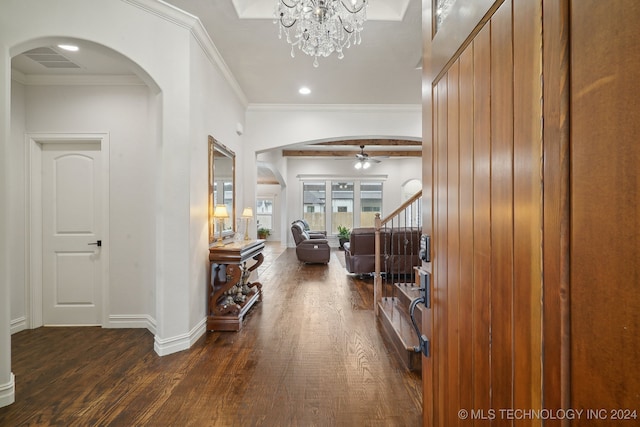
x=359, y=251
x=399, y=251
x=312, y=248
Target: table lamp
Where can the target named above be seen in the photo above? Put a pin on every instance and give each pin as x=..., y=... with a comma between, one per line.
x=220, y=213
x=247, y=214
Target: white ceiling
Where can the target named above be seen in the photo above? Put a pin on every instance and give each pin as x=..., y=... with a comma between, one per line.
x=378, y=10
x=381, y=70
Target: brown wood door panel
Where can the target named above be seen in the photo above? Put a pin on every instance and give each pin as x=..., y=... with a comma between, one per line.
x=453, y=243
x=482, y=220
x=605, y=211
x=465, y=304
x=527, y=216
x=439, y=259
x=556, y=206
x=501, y=209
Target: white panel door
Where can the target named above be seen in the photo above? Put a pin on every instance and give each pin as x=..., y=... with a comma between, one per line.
x=71, y=220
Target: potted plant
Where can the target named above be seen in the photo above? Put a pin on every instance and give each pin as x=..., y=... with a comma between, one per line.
x=343, y=235
x=263, y=233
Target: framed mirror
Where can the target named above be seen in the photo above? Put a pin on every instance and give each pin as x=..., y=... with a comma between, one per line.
x=222, y=185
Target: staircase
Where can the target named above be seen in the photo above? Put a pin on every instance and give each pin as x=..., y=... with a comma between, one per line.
x=396, y=286
x=397, y=329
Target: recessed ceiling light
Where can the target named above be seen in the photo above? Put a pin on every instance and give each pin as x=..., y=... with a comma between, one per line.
x=304, y=90
x=68, y=47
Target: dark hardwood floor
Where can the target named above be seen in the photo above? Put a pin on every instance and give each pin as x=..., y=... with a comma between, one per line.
x=310, y=354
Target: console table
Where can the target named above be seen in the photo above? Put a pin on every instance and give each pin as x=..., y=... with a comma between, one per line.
x=231, y=292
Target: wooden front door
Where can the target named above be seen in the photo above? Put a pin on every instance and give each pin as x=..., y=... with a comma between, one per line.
x=533, y=168
x=487, y=220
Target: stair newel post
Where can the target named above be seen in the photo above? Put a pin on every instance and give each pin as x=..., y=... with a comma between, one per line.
x=377, y=279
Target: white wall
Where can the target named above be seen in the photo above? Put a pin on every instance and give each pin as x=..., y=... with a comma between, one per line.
x=17, y=195
x=123, y=112
x=270, y=126
x=215, y=111
x=7, y=379
x=178, y=124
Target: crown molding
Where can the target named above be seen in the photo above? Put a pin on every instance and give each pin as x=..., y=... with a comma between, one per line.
x=194, y=25
x=370, y=108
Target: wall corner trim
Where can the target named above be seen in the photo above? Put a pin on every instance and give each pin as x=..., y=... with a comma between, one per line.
x=166, y=346
x=8, y=392
x=19, y=324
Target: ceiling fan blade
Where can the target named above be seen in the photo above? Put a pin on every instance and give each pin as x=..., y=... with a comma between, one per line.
x=364, y=157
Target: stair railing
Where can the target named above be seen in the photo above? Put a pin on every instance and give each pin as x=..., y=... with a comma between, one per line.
x=397, y=241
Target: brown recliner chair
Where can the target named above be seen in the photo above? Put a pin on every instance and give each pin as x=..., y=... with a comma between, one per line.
x=312, y=249
x=312, y=233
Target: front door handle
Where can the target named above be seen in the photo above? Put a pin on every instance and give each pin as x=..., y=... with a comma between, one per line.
x=97, y=243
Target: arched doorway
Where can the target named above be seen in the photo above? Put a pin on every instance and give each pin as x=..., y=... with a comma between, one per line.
x=410, y=188
x=71, y=98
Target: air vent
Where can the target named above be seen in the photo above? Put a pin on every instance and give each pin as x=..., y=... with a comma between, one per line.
x=49, y=58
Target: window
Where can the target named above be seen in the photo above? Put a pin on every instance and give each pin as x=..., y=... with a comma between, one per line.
x=370, y=202
x=264, y=213
x=352, y=203
x=341, y=205
x=314, y=196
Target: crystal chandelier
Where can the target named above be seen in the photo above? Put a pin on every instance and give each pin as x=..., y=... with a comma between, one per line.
x=320, y=27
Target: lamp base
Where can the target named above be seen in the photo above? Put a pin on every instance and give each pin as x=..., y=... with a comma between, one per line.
x=246, y=230
x=220, y=242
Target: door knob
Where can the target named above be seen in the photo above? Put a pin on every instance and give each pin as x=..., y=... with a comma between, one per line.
x=97, y=243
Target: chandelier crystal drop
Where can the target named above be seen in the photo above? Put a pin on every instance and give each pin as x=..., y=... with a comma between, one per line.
x=321, y=27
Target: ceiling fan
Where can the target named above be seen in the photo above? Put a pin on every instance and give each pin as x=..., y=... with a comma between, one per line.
x=363, y=160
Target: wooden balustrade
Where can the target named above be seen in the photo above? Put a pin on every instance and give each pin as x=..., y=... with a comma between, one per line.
x=397, y=252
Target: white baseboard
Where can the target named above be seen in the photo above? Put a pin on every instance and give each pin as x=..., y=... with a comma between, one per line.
x=166, y=346
x=132, y=321
x=8, y=392
x=19, y=324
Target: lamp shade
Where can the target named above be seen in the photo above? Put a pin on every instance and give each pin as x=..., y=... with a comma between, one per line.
x=247, y=213
x=220, y=212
